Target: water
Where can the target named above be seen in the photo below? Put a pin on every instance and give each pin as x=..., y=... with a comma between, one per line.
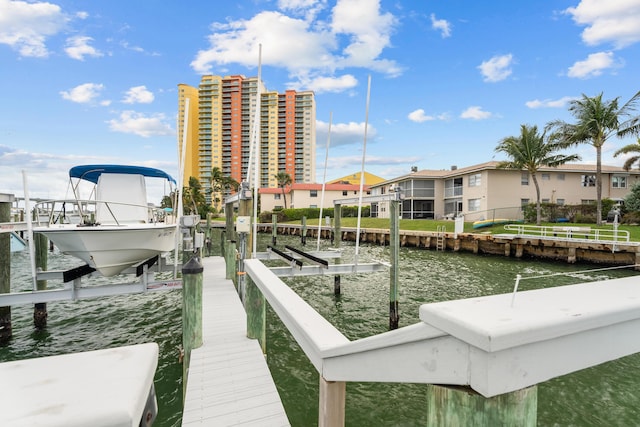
x=603, y=395
x=95, y=324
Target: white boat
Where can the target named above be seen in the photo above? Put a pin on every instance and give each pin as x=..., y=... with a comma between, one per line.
x=17, y=242
x=115, y=228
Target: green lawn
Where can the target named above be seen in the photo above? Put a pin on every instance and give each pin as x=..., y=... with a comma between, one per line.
x=432, y=225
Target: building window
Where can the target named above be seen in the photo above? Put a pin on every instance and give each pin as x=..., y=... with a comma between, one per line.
x=545, y=200
x=524, y=179
x=588, y=180
x=345, y=193
x=276, y=197
x=475, y=180
x=560, y=202
x=546, y=176
x=313, y=193
x=474, y=205
x=560, y=177
x=588, y=202
x=523, y=203
x=619, y=182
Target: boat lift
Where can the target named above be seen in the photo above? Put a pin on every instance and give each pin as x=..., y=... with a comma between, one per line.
x=319, y=258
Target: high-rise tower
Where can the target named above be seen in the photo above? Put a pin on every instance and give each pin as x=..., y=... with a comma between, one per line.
x=219, y=133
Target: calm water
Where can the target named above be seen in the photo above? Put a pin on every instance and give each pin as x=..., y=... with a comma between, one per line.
x=604, y=395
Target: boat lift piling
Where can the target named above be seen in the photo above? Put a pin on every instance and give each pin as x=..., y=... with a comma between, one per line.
x=40, y=314
x=5, y=267
x=274, y=229
x=303, y=232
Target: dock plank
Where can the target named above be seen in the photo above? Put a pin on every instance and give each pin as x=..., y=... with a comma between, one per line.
x=229, y=381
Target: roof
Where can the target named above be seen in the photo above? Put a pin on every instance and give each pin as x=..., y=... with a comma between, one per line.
x=369, y=179
x=493, y=165
x=91, y=173
x=310, y=186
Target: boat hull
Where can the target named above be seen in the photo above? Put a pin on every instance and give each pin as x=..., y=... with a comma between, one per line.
x=112, y=249
x=491, y=222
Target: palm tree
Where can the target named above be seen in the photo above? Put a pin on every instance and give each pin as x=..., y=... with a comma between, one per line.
x=530, y=151
x=217, y=180
x=192, y=195
x=283, y=179
x=630, y=148
x=596, y=121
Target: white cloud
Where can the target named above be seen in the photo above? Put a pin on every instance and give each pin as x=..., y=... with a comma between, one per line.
x=593, y=66
x=84, y=93
x=355, y=34
x=307, y=8
x=78, y=47
x=550, y=103
x=419, y=116
x=138, y=95
x=351, y=133
x=25, y=26
x=442, y=25
x=140, y=124
x=475, y=113
x=497, y=68
x=616, y=21
x=342, y=162
x=330, y=84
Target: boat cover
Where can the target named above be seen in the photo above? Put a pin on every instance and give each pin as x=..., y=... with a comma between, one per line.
x=92, y=172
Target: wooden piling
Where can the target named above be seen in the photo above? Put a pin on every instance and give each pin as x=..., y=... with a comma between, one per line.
x=462, y=406
x=255, y=306
x=274, y=229
x=336, y=285
x=5, y=267
x=337, y=216
x=41, y=244
x=303, y=231
x=332, y=397
x=229, y=225
x=192, y=273
x=231, y=261
x=394, y=247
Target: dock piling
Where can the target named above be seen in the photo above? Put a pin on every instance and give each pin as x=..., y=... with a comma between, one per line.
x=462, y=406
x=394, y=246
x=192, y=273
x=5, y=267
x=40, y=309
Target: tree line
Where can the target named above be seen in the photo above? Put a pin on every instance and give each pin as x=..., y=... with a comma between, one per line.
x=596, y=120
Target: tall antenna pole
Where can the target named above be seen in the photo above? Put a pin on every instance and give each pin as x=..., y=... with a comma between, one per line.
x=364, y=155
x=324, y=180
x=256, y=168
x=180, y=189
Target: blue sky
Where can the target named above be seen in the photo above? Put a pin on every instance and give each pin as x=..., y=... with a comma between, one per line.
x=96, y=82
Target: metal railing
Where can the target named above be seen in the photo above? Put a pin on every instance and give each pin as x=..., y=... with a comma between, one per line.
x=570, y=232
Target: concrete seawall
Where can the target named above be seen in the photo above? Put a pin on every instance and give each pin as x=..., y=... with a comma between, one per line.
x=569, y=250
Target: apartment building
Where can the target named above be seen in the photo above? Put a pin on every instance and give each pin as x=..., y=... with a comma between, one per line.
x=483, y=190
x=309, y=195
x=219, y=130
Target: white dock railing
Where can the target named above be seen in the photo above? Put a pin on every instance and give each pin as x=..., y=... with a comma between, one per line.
x=485, y=343
x=570, y=232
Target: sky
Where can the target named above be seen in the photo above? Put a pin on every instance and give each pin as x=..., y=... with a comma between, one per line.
x=96, y=81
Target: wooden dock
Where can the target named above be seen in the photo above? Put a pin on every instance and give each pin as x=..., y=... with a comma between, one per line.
x=229, y=381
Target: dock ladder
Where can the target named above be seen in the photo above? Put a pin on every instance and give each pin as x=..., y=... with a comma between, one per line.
x=440, y=241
